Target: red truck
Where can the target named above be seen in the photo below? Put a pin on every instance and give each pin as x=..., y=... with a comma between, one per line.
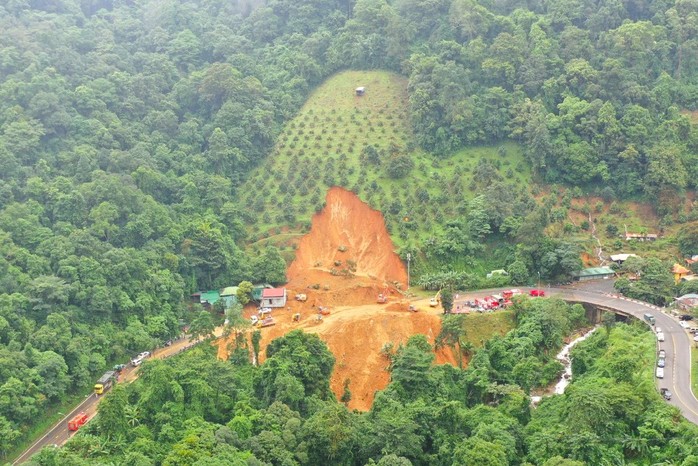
x=77, y=422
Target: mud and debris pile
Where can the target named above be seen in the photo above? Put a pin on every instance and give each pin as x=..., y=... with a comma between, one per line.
x=342, y=265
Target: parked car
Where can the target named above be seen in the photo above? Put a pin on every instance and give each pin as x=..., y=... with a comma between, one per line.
x=662, y=353
x=661, y=362
x=685, y=317
x=537, y=293
x=660, y=373
x=695, y=338
x=660, y=336
x=658, y=329
x=684, y=324
x=665, y=393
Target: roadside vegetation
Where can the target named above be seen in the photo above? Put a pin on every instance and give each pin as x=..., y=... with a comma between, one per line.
x=284, y=412
x=153, y=149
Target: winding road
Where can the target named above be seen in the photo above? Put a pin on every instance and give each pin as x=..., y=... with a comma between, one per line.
x=58, y=434
x=677, y=344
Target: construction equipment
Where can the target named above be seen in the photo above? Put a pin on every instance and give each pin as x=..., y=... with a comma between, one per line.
x=433, y=302
x=297, y=317
x=323, y=310
x=302, y=297
x=412, y=308
x=381, y=298
x=266, y=322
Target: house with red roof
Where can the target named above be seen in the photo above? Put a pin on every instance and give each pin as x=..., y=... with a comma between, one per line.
x=273, y=297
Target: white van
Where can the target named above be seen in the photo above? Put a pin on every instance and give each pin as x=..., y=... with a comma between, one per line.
x=660, y=372
x=660, y=336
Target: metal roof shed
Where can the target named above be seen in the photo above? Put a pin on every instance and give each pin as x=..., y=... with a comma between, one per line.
x=594, y=273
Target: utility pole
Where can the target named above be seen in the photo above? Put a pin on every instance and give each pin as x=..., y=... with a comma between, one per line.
x=409, y=258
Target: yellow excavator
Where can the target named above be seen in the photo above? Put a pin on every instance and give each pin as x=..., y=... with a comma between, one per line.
x=433, y=302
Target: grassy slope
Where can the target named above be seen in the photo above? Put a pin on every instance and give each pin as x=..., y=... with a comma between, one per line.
x=322, y=146
x=478, y=328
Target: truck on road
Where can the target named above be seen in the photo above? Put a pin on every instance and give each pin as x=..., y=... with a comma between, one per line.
x=105, y=382
x=78, y=421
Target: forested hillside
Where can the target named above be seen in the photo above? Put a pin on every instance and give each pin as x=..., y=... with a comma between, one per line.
x=128, y=128
x=196, y=410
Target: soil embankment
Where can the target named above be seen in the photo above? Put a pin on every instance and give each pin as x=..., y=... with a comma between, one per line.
x=342, y=264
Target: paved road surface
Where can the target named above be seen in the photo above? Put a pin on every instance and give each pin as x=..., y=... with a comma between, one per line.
x=59, y=433
x=677, y=373
x=677, y=344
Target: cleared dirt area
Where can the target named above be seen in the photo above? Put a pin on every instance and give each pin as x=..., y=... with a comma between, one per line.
x=342, y=264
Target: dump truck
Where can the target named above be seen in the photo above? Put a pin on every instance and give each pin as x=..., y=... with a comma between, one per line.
x=105, y=382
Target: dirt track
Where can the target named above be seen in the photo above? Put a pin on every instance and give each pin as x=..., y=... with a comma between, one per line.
x=357, y=327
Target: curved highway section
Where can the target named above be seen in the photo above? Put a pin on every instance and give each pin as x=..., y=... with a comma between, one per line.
x=677, y=344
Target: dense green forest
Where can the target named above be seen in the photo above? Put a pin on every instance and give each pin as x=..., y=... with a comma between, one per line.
x=197, y=410
x=127, y=129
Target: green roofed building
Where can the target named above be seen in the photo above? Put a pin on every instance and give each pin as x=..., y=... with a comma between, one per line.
x=209, y=297
x=594, y=273
x=230, y=296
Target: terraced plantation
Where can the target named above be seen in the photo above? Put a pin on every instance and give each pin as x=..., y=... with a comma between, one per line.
x=363, y=143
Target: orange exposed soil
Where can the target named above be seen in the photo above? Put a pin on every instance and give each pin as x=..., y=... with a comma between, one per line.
x=357, y=327
x=346, y=230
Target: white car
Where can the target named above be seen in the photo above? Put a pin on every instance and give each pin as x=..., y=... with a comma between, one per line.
x=662, y=353
x=684, y=324
x=658, y=329
x=695, y=338
x=660, y=336
x=660, y=372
